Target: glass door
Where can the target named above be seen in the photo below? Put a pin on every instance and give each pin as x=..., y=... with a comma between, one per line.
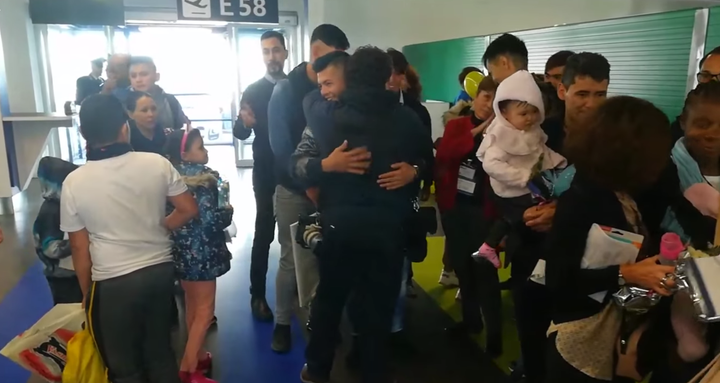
x=70, y=50
x=250, y=68
x=195, y=65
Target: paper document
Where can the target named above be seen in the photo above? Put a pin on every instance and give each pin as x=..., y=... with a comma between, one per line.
x=605, y=247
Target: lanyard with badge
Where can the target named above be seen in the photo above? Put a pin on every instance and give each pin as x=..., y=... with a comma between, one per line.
x=466, y=183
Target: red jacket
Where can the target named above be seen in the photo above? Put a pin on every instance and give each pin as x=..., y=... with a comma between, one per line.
x=457, y=143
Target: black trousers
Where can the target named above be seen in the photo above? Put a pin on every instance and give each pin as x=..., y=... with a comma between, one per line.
x=65, y=290
x=131, y=321
x=264, y=232
x=465, y=230
x=361, y=255
x=532, y=303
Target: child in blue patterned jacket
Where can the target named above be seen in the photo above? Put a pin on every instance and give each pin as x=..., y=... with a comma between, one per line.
x=200, y=252
x=51, y=244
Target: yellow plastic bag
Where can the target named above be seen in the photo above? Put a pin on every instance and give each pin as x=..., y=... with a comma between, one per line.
x=84, y=364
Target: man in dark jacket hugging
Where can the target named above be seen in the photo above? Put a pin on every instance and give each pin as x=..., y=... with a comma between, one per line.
x=363, y=215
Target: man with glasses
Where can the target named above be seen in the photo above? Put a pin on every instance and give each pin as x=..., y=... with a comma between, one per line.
x=709, y=71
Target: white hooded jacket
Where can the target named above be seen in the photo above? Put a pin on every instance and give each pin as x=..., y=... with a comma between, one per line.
x=508, y=154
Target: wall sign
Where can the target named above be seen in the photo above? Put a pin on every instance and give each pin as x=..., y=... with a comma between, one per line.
x=236, y=11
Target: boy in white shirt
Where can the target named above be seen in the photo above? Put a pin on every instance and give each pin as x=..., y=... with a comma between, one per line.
x=113, y=209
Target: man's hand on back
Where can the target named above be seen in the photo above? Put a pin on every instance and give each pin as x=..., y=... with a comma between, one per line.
x=402, y=175
x=341, y=160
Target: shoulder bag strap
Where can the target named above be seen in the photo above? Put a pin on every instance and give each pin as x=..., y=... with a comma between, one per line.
x=713, y=365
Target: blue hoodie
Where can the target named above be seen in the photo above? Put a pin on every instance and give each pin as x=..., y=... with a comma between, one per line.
x=50, y=244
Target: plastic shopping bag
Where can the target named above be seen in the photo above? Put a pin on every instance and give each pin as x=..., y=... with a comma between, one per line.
x=84, y=364
x=42, y=349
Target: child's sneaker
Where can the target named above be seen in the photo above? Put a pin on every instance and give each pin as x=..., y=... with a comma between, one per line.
x=488, y=253
x=448, y=279
x=205, y=365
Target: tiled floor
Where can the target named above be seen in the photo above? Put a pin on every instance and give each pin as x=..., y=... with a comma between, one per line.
x=240, y=344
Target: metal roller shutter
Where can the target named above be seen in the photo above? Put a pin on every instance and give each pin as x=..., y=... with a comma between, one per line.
x=648, y=55
x=712, y=39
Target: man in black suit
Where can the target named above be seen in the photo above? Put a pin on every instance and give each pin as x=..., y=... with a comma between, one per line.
x=90, y=84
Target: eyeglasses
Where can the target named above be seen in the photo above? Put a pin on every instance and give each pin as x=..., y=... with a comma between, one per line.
x=703, y=77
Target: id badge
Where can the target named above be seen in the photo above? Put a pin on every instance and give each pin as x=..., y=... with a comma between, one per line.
x=467, y=172
x=466, y=180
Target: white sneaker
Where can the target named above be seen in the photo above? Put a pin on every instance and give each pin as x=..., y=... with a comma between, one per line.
x=449, y=279
x=458, y=297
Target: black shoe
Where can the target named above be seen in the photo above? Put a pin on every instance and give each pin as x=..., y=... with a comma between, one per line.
x=260, y=309
x=282, y=339
x=305, y=377
x=352, y=360
x=463, y=330
x=493, y=347
x=400, y=344
x=517, y=371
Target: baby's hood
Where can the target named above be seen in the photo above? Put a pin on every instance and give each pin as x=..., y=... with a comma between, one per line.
x=519, y=86
x=52, y=172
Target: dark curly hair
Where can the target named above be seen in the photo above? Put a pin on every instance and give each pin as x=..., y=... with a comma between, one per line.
x=368, y=67
x=709, y=91
x=626, y=146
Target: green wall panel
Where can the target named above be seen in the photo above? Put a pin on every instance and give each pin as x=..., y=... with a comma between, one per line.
x=648, y=55
x=712, y=39
x=439, y=63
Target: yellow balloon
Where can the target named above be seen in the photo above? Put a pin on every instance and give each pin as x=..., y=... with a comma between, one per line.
x=472, y=82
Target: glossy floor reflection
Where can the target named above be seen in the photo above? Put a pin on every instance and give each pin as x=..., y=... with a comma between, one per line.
x=240, y=344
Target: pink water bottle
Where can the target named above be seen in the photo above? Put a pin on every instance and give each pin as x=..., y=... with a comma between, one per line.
x=670, y=248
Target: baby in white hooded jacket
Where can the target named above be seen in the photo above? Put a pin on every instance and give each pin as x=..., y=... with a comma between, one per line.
x=513, y=150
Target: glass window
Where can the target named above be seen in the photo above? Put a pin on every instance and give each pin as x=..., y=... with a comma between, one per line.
x=71, y=49
x=194, y=64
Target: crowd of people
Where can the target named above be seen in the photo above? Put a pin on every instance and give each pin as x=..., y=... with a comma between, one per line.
x=346, y=135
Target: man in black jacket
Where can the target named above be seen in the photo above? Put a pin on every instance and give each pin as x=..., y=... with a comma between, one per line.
x=362, y=217
x=286, y=122
x=91, y=84
x=254, y=117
